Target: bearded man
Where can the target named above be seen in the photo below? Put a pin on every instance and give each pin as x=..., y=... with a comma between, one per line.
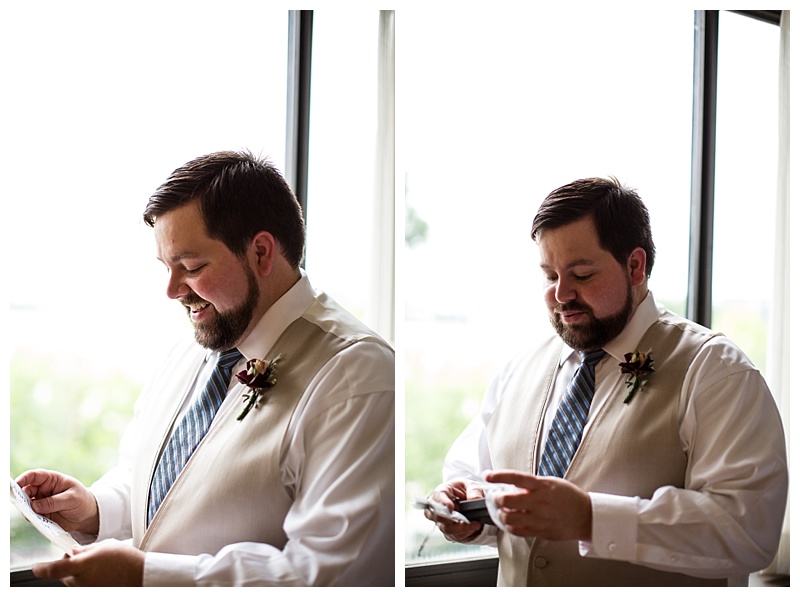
x=263, y=452
x=640, y=448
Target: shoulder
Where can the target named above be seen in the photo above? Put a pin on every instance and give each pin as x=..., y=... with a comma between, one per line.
x=712, y=356
x=709, y=344
x=356, y=382
x=363, y=363
x=669, y=323
x=325, y=313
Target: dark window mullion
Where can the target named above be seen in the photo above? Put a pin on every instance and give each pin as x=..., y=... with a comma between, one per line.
x=704, y=124
x=298, y=94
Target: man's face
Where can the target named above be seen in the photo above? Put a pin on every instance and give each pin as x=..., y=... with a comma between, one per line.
x=589, y=295
x=218, y=290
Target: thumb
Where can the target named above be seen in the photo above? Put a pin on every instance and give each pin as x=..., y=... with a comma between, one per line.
x=45, y=505
x=53, y=570
x=474, y=491
x=54, y=503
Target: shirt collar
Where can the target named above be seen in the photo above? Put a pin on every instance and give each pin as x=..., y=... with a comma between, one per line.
x=284, y=311
x=627, y=341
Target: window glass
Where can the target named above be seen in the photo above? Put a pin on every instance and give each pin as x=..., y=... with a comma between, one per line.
x=498, y=108
x=101, y=103
x=745, y=182
x=342, y=157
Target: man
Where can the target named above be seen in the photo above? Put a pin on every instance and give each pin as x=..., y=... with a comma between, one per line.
x=293, y=481
x=679, y=476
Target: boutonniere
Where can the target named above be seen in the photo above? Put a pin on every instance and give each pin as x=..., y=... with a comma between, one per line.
x=259, y=376
x=637, y=366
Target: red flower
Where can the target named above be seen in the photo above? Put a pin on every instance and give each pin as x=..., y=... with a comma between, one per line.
x=259, y=376
x=637, y=366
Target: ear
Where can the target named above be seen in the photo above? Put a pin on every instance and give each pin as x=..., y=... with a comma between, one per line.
x=637, y=266
x=263, y=249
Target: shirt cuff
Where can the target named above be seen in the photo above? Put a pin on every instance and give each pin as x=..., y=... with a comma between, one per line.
x=168, y=570
x=109, y=510
x=614, y=526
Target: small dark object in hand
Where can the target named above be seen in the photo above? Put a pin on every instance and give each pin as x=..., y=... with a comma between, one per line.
x=475, y=510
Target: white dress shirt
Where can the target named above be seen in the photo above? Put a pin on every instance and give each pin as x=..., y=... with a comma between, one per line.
x=343, y=427
x=730, y=428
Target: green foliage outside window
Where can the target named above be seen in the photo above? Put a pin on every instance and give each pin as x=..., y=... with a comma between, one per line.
x=64, y=417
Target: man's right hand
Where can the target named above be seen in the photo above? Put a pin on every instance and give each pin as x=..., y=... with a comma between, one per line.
x=451, y=494
x=62, y=499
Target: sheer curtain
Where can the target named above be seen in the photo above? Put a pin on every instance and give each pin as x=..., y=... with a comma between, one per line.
x=779, y=365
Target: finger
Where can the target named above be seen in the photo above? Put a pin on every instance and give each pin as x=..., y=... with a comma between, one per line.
x=444, y=496
x=517, y=478
x=32, y=480
x=430, y=515
x=474, y=492
x=459, y=531
x=54, y=570
x=83, y=548
x=515, y=501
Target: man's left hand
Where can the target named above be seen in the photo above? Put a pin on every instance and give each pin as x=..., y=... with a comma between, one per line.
x=546, y=507
x=107, y=564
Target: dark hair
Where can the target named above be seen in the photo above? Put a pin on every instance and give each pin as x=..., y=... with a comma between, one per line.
x=620, y=216
x=239, y=196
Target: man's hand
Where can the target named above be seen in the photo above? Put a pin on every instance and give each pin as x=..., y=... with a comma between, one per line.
x=451, y=494
x=62, y=499
x=106, y=564
x=545, y=507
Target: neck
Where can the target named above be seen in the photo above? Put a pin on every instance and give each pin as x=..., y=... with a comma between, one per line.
x=279, y=281
x=640, y=293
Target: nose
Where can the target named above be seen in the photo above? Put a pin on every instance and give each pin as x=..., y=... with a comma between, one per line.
x=175, y=286
x=564, y=292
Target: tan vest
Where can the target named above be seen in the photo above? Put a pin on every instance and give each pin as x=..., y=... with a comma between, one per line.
x=230, y=489
x=627, y=449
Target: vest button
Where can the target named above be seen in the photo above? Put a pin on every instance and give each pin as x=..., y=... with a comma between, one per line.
x=540, y=562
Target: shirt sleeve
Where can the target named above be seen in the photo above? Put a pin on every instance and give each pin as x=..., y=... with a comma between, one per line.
x=338, y=463
x=726, y=521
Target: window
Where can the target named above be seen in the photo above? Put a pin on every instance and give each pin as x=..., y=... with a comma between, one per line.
x=488, y=129
x=343, y=200
x=745, y=182
x=100, y=106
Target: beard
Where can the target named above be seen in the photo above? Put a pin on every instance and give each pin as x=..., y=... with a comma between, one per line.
x=598, y=331
x=225, y=329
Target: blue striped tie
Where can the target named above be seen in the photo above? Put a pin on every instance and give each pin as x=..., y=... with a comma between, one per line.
x=191, y=430
x=567, y=428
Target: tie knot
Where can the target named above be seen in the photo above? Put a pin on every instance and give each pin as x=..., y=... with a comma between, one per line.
x=592, y=357
x=228, y=358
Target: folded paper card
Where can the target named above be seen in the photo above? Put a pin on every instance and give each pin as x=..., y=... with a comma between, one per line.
x=49, y=529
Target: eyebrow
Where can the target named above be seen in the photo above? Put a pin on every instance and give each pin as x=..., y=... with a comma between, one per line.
x=180, y=256
x=571, y=264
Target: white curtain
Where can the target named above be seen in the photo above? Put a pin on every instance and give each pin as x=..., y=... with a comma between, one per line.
x=779, y=365
x=383, y=259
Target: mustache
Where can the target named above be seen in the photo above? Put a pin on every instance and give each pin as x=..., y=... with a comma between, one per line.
x=570, y=306
x=191, y=299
